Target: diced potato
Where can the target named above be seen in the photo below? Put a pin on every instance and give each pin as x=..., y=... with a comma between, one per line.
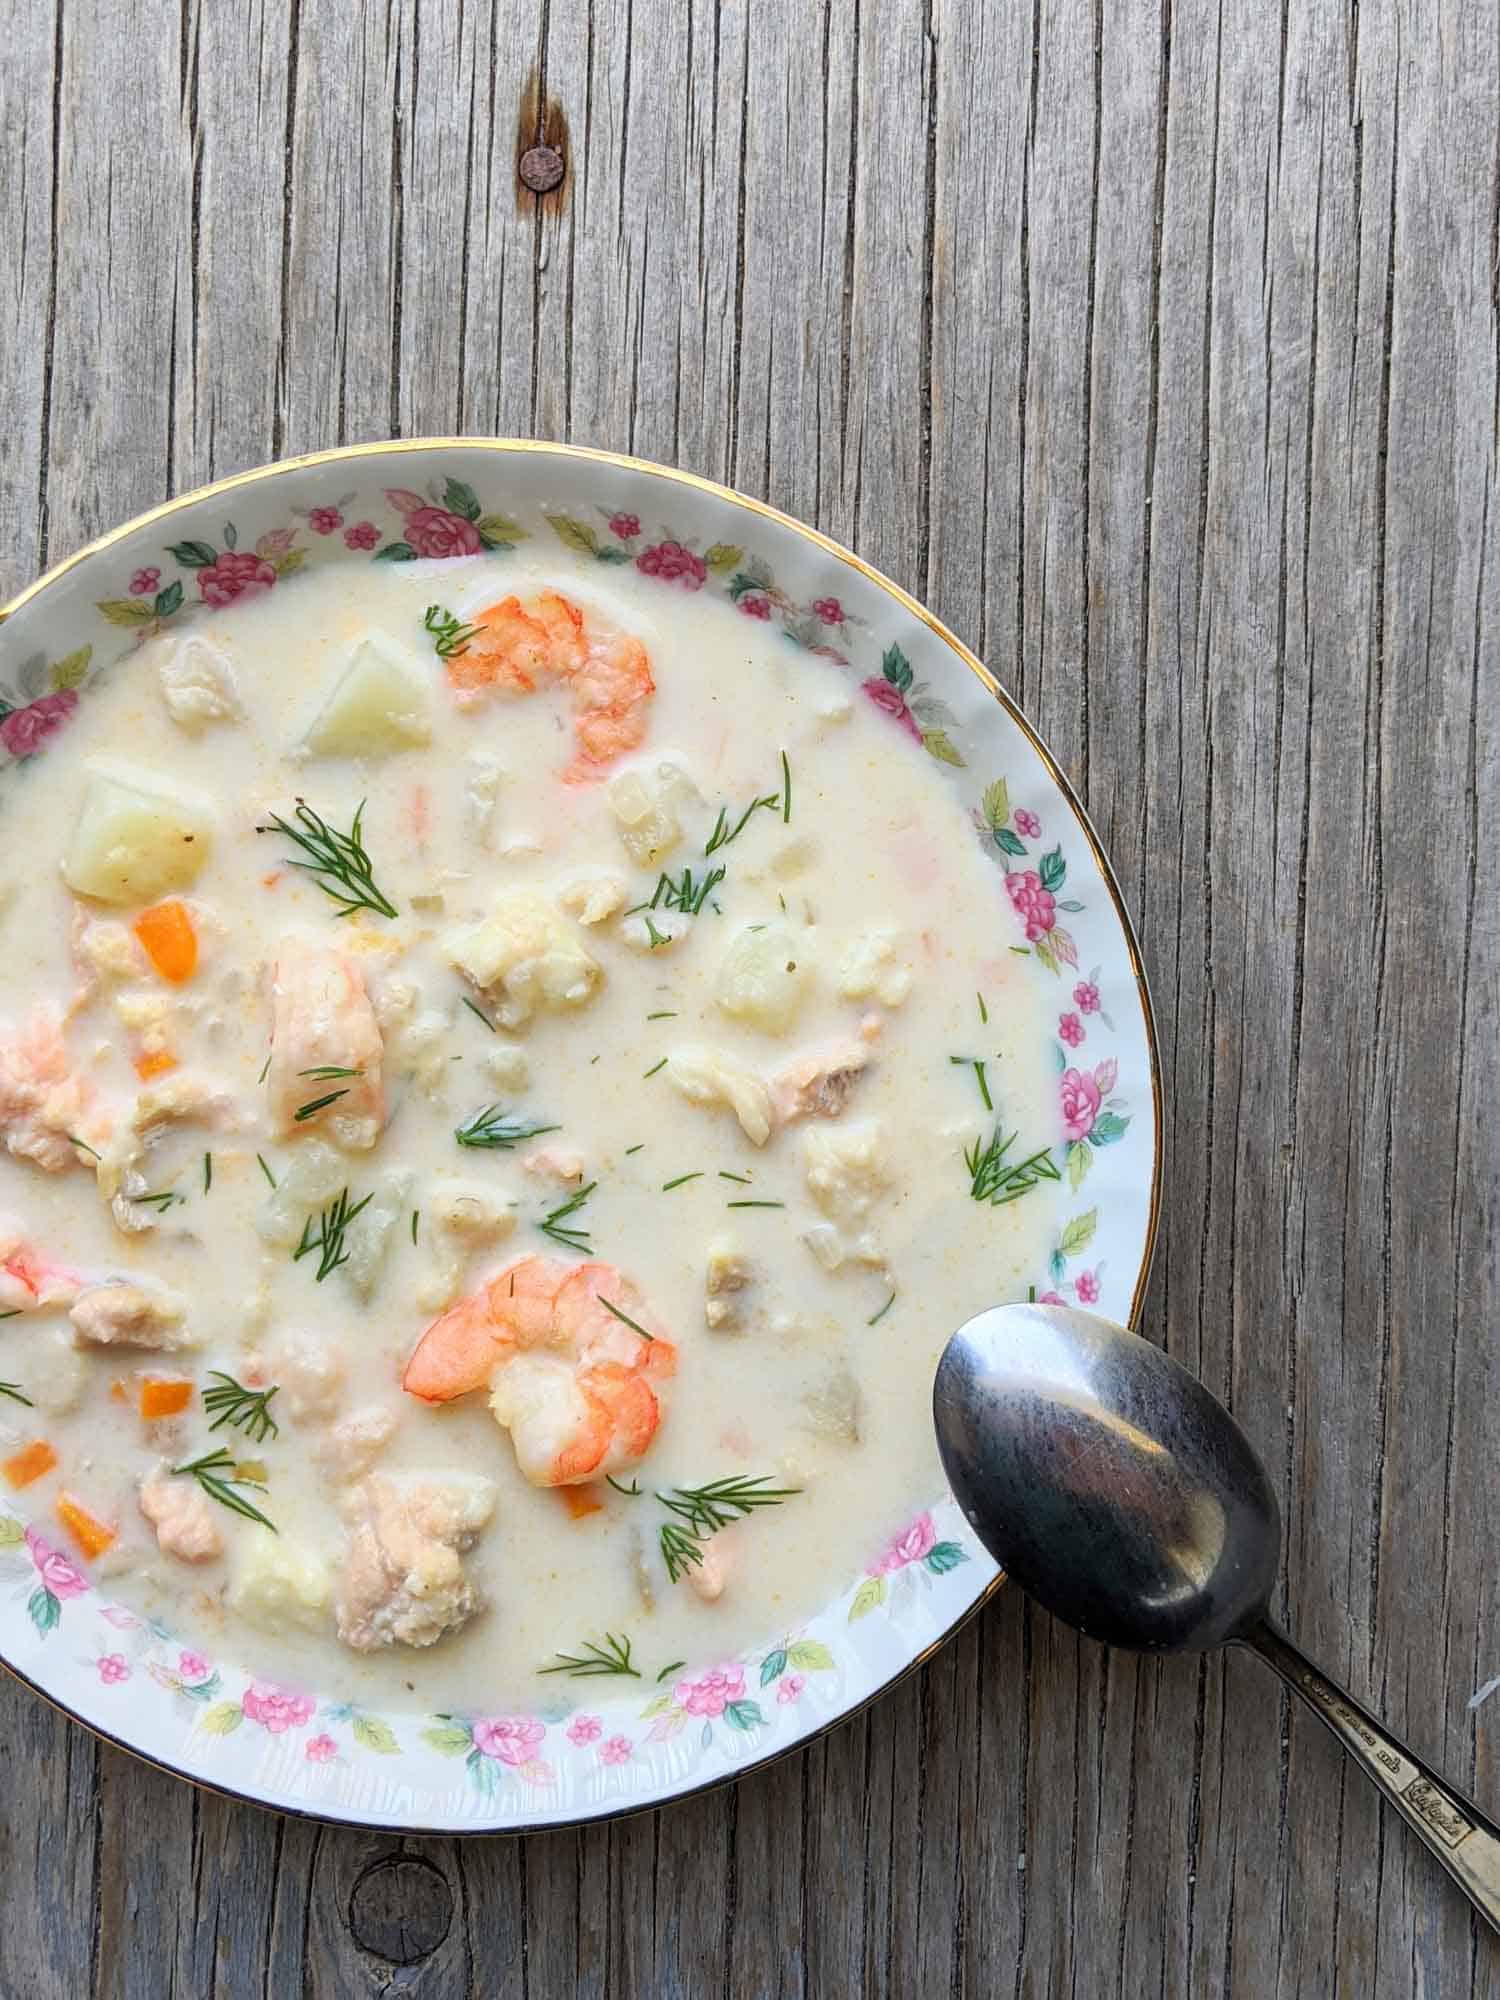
x=875, y=968
x=481, y=788
x=280, y=1581
x=311, y=1178
x=705, y=1077
x=137, y=836
x=380, y=704
x=526, y=957
x=764, y=978
x=197, y=685
x=847, y=1175
x=507, y=1065
x=727, y=1276
x=648, y=823
x=832, y=1409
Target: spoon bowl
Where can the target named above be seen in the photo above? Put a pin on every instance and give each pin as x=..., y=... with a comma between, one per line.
x=1127, y=1501
x=1105, y=1479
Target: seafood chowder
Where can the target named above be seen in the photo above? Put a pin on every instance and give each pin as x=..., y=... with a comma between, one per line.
x=507, y=1084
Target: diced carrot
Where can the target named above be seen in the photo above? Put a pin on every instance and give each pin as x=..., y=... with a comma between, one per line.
x=171, y=943
x=580, y=1501
x=92, y=1535
x=164, y=1396
x=118, y=1393
x=29, y=1463
x=157, y=1063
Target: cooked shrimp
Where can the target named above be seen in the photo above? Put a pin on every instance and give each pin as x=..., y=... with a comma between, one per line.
x=29, y=1280
x=44, y=1106
x=518, y=647
x=568, y=1377
x=325, y=1044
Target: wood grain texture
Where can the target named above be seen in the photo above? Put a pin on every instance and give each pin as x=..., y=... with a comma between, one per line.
x=1155, y=342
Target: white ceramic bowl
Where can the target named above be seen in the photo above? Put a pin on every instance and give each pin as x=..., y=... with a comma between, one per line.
x=229, y=1722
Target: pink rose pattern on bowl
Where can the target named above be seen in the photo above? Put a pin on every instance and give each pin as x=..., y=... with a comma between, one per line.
x=518, y=1768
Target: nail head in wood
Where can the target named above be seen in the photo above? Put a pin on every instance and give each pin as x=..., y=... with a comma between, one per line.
x=541, y=168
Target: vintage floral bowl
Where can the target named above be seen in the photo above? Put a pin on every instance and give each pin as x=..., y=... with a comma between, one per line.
x=227, y=1722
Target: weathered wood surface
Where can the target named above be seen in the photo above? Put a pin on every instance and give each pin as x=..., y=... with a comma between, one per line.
x=1153, y=341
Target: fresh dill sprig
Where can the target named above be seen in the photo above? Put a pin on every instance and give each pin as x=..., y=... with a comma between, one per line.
x=337, y=862
x=663, y=1014
x=333, y=1224
x=984, y=1012
x=218, y=1474
x=247, y=1410
x=653, y=1069
x=556, y=1224
x=450, y=635
x=638, y=1147
x=208, y=1173
x=323, y=1072
x=593, y=1661
x=631, y=1492
x=755, y=1204
x=634, y=1324
x=265, y=1169
x=876, y=1318
x=723, y=833
x=479, y=1013
x=681, y=1181
x=725, y=1175
x=161, y=1202
x=82, y=1144
x=306, y=1111
x=996, y=1180
x=13, y=1390
x=416, y=1217
x=492, y=1129
x=654, y=937
x=684, y=893
x=703, y=1510
x=786, y=790
x=976, y=1063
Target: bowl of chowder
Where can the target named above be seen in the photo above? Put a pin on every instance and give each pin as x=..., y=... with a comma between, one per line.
x=539, y=992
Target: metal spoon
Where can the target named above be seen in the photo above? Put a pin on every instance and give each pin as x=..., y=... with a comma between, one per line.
x=1113, y=1488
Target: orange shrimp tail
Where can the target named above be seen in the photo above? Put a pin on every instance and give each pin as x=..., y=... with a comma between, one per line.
x=456, y=1354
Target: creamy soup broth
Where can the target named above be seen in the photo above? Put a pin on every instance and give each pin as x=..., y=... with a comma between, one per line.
x=143, y=1243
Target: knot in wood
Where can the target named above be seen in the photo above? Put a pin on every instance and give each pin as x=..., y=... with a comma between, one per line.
x=400, y=1909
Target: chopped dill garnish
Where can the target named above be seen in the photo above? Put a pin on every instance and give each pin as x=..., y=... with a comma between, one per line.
x=681, y=1181
x=557, y=1226
x=208, y=1172
x=665, y=1014
x=786, y=790
x=306, y=1111
x=167, y=1198
x=325, y=1071
x=723, y=833
x=13, y=1389
x=653, y=935
x=479, y=1013
x=671, y=1667
x=265, y=1169
x=81, y=1144
x=706, y=1509
x=450, y=636
x=218, y=1474
x=247, y=1410
x=654, y=1068
x=328, y=1242
x=14, y=1313
x=976, y=1063
x=639, y=1146
x=725, y=1175
x=265, y=1068
x=631, y=1492
x=984, y=1012
x=998, y=1181
x=613, y=1657
x=755, y=1204
x=336, y=861
x=416, y=1217
x=494, y=1128
x=634, y=1324
x=685, y=894
x=875, y=1318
